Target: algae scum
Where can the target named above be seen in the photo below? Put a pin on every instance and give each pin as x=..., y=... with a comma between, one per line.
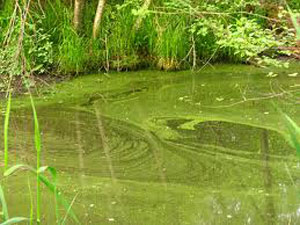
x=148, y=148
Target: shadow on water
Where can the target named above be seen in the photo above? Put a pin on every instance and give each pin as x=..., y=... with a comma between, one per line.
x=270, y=214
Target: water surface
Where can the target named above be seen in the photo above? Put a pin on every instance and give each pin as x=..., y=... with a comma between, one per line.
x=165, y=148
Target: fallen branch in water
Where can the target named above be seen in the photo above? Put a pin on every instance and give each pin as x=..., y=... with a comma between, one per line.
x=250, y=100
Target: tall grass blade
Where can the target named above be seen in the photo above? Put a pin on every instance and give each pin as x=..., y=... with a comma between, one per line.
x=14, y=220
x=37, y=135
x=4, y=205
x=6, y=125
x=31, y=202
x=37, y=141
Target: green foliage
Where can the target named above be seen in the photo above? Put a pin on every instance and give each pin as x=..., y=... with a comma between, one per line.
x=35, y=45
x=234, y=30
x=247, y=39
x=173, y=34
x=294, y=4
x=9, y=65
x=39, y=51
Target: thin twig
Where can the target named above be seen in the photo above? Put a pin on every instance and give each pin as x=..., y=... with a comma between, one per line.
x=208, y=61
x=249, y=100
x=11, y=26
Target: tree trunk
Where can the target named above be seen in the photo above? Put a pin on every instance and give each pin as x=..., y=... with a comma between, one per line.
x=139, y=20
x=98, y=18
x=78, y=12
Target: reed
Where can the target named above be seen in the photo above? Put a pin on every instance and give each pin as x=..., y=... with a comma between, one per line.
x=37, y=141
x=5, y=216
x=38, y=171
x=6, y=127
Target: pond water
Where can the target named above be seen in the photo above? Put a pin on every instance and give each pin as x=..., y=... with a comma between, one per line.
x=147, y=148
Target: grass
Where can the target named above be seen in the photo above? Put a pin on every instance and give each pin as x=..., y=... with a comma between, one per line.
x=173, y=42
x=163, y=41
x=37, y=141
x=6, y=124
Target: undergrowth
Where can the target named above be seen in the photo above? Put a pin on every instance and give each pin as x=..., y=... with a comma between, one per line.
x=174, y=34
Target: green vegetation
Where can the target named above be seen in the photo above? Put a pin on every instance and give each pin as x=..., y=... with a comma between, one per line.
x=203, y=146
x=38, y=172
x=60, y=37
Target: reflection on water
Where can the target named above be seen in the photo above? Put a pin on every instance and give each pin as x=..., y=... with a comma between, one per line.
x=143, y=156
x=105, y=144
x=270, y=215
x=216, y=173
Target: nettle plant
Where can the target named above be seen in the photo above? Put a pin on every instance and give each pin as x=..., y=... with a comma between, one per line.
x=38, y=49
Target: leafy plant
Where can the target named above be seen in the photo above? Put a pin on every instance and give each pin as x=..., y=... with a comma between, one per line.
x=171, y=34
x=39, y=51
x=247, y=39
x=235, y=30
x=36, y=46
